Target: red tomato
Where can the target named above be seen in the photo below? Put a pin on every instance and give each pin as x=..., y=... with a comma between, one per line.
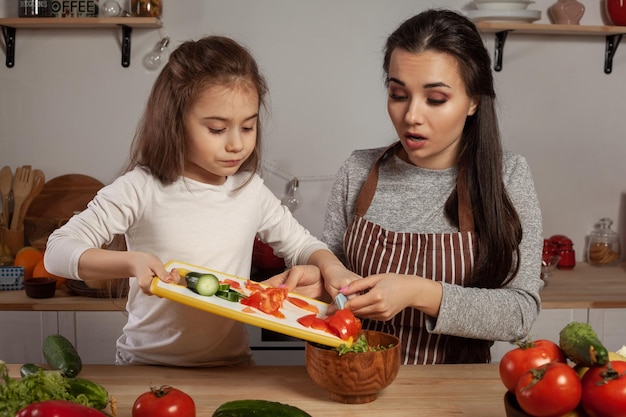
x=253, y=286
x=604, y=390
x=527, y=356
x=298, y=302
x=164, y=402
x=233, y=284
x=314, y=322
x=344, y=324
x=307, y=320
x=268, y=300
x=550, y=390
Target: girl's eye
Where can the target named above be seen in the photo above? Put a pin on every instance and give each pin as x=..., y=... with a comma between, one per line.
x=216, y=131
x=247, y=128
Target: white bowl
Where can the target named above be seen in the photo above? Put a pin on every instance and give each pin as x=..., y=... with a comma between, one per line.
x=502, y=4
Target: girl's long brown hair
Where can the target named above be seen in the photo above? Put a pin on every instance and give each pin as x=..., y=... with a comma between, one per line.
x=159, y=143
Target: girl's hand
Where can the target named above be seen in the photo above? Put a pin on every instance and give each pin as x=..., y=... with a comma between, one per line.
x=146, y=266
x=382, y=296
x=302, y=279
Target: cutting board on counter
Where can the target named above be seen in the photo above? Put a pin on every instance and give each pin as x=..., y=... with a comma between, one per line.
x=58, y=200
x=64, y=195
x=234, y=310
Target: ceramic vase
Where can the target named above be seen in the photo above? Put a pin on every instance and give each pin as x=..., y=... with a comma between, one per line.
x=566, y=12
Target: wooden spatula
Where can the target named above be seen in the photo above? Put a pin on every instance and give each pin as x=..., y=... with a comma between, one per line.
x=6, y=178
x=22, y=184
x=39, y=179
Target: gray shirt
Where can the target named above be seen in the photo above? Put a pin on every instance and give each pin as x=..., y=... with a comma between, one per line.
x=411, y=199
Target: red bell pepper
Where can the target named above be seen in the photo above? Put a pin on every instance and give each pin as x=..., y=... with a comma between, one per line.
x=58, y=408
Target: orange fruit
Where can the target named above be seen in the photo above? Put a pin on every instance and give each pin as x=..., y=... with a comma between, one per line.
x=40, y=271
x=28, y=257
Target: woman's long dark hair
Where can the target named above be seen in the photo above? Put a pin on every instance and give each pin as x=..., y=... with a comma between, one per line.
x=496, y=223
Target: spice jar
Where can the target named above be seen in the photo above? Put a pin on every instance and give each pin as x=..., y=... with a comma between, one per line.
x=146, y=8
x=567, y=254
x=603, y=245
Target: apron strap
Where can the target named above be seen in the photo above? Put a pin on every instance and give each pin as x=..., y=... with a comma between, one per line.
x=366, y=195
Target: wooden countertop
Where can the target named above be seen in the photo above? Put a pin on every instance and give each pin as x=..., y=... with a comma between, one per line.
x=422, y=391
x=63, y=300
x=585, y=286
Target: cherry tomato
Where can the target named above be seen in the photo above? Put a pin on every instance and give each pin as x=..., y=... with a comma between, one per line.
x=604, y=390
x=164, y=402
x=528, y=355
x=550, y=390
x=344, y=324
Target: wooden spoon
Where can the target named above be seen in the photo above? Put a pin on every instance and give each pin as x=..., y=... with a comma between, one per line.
x=6, y=177
x=22, y=184
x=39, y=179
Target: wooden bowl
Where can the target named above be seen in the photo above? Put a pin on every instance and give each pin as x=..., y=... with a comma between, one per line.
x=40, y=287
x=354, y=378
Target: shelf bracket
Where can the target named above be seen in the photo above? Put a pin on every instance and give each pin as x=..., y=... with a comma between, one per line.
x=126, y=31
x=9, y=41
x=499, y=50
x=612, y=42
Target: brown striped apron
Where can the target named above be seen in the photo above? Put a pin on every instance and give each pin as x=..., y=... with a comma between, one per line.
x=446, y=257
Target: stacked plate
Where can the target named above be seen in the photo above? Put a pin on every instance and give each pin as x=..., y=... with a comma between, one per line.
x=503, y=11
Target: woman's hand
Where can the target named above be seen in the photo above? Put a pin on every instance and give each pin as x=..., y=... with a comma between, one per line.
x=302, y=279
x=382, y=296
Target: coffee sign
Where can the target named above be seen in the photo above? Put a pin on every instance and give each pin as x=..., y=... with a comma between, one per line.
x=74, y=8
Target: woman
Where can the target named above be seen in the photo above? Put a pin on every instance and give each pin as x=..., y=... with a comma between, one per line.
x=444, y=226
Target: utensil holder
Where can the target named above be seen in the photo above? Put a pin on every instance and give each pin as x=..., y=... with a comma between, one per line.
x=14, y=239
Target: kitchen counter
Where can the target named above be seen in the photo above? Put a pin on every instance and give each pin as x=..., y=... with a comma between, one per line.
x=585, y=286
x=63, y=300
x=431, y=390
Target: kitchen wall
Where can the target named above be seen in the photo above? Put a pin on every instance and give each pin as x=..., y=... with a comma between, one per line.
x=69, y=107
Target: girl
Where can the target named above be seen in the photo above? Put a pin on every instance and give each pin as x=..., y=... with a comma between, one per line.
x=190, y=193
x=444, y=225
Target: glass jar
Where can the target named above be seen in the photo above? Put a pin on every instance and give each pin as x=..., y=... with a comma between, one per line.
x=34, y=8
x=603, y=247
x=146, y=8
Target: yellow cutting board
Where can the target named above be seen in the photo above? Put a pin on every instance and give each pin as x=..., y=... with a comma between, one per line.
x=233, y=310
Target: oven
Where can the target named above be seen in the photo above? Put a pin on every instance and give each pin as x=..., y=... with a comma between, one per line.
x=269, y=347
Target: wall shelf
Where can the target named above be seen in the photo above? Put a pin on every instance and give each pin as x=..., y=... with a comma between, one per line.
x=612, y=34
x=10, y=25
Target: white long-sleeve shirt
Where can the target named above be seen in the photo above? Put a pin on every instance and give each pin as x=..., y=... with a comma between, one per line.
x=189, y=221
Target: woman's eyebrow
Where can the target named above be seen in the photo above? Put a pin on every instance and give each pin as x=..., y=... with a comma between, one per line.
x=428, y=85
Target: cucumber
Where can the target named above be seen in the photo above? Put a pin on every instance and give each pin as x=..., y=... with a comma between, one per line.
x=29, y=369
x=258, y=408
x=580, y=343
x=97, y=395
x=203, y=284
x=61, y=354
